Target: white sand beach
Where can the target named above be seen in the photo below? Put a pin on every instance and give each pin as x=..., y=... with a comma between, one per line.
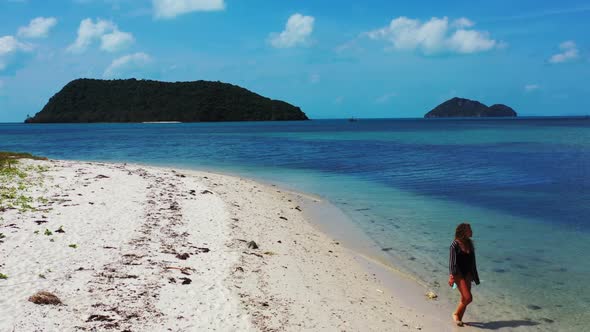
x=134, y=248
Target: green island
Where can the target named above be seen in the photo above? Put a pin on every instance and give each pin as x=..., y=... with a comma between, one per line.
x=132, y=100
x=462, y=107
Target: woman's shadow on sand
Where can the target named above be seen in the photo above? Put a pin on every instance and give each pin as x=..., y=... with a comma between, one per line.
x=501, y=324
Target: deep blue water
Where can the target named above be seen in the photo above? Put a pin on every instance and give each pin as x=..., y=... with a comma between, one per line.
x=524, y=184
x=493, y=164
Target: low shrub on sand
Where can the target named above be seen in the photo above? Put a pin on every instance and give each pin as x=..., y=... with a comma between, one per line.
x=14, y=181
x=7, y=158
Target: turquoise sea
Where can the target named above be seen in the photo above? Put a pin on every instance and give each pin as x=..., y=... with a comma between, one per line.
x=523, y=184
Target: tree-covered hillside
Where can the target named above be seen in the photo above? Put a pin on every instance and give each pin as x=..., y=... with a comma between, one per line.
x=131, y=100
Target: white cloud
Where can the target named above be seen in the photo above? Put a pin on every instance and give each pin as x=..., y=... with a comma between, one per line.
x=116, y=41
x=463, y=22
x=471, y=41
x=297, y=32
x=88, y=32
x=112, y=39
x=2, y=90
x=569, y=52
x=38, y=27
x=349, y=45
x=385, y=98
x=171, y=8
x=531, y=87
x=314, y=78
x=127, y=63
x=544, y=13
x=566, y=45
x=10, y=46
x=434, y=36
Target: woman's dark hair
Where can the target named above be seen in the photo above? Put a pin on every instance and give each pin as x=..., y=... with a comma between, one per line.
x=461, y=235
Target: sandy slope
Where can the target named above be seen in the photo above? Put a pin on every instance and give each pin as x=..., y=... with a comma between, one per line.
x=167, y=250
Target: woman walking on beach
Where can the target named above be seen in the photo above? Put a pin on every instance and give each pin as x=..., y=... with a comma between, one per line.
x=462, y=268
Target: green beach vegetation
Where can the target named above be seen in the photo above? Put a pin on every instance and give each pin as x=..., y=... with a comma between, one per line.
x=8, y=158
x=15, y=179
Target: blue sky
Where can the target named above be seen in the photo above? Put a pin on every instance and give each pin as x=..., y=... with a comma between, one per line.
x=334, y=59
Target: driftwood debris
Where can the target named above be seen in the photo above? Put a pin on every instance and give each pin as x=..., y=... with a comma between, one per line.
x=183, y=270
x=44, y=297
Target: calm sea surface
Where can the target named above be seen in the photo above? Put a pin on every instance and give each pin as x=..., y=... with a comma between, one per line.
x=523, y=184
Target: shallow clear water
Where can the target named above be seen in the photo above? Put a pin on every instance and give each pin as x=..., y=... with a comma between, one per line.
x=523, y=184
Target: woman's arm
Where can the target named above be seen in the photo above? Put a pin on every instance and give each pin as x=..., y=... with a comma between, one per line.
x=475, y=274
x=452, y=263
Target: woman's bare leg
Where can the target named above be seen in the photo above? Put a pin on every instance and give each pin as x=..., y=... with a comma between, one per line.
x=461, y=306
x=464, y=286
